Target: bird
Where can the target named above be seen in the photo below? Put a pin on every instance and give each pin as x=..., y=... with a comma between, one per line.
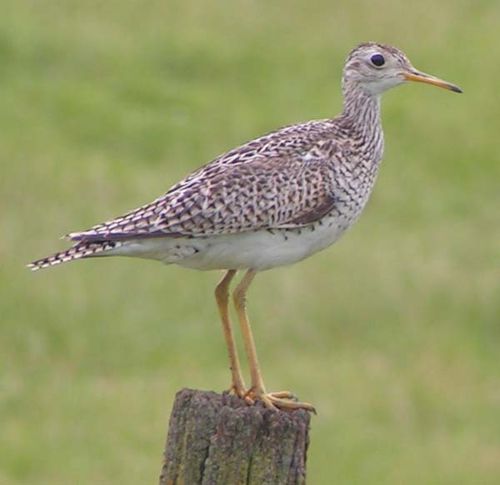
x=270, y=202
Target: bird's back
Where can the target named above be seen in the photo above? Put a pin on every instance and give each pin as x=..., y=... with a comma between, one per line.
x=284, y=179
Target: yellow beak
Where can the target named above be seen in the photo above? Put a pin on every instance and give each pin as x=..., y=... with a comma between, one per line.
x=421, y=77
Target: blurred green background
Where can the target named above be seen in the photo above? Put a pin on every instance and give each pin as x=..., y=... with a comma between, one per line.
x=393, y=334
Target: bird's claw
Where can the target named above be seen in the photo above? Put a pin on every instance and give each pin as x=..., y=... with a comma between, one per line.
x=242, y=393
x=283, y=400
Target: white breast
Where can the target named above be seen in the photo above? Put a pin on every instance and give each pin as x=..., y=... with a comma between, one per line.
x=259, y=250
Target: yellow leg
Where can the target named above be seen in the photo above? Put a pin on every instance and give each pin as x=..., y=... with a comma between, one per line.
x=222, y=298
x=283, y=399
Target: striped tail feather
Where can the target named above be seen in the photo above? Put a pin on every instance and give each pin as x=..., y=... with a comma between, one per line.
x=78, y=251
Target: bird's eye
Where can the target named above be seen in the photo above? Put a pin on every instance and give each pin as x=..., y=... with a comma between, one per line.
x=377, y=60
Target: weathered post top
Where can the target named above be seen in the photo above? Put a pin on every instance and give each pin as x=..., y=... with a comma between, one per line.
x=216, y=439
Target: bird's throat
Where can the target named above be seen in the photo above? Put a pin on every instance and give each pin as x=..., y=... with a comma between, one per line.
x=361, y=115
x=361, y=107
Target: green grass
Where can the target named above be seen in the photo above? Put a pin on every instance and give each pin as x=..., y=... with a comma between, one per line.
x=393, y=334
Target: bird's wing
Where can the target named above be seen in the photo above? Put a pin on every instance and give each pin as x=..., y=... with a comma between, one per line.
x=275, y=182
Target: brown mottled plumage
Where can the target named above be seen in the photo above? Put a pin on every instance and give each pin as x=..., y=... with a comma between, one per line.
x=272, y=201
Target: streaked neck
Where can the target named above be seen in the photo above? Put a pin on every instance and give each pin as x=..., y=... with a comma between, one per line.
x=362, y=109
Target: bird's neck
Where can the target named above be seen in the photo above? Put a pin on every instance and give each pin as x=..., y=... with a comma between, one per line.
x=361, y=120
x=362, y=110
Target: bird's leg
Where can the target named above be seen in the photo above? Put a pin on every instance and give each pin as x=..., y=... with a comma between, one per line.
x=222, y=298
x=283, y=399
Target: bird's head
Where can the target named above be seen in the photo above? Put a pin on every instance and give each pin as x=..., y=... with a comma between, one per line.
x=377, y=67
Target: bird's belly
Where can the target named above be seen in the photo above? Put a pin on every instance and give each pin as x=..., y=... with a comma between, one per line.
x=259, y=250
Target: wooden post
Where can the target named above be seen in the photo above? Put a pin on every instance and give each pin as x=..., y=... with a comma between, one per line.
x=216, y=439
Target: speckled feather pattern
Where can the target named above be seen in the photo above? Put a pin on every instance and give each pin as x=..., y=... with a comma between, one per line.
x=282, y=180
x=286, y=180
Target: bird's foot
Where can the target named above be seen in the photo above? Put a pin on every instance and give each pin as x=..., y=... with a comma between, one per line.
x=284, y=400
x=243, y=393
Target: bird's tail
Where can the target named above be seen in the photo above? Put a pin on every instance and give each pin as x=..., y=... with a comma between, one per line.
x=78, y=251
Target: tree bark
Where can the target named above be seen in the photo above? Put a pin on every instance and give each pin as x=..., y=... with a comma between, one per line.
x=216, y=439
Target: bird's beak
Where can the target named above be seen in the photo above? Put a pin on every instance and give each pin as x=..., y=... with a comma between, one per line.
x=421, y=77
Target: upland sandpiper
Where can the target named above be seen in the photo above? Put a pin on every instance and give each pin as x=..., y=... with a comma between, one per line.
x=270, y=202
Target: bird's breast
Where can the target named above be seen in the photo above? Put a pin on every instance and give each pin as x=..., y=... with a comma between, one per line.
x=260, y=250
